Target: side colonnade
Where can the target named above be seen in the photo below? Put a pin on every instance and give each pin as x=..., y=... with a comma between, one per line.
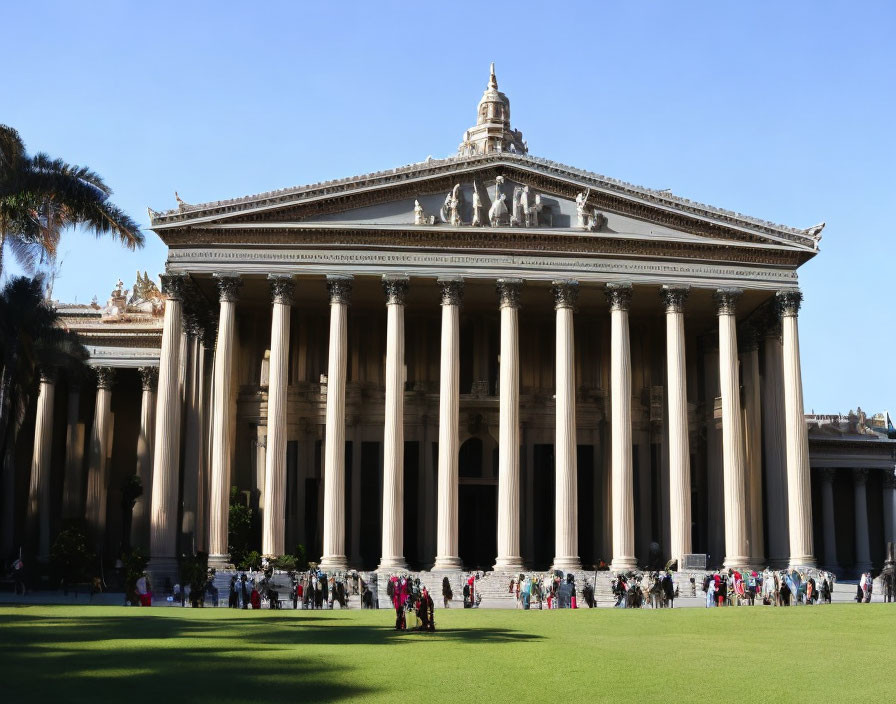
x=183, y=400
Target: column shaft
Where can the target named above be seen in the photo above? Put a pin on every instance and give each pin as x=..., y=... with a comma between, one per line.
x=863, y=539
x=774, y=445
x=100, y=441
x=734, y=486
x=334, y=448
x=393, y=445
x=73, y=484
x=889, y=508
x=447, y=557
x=799, y=495
x=679, y=447
x=509, y=430
x=752, y=419
x=274, y=516
x=39, y=490
x=566, y=513
x=622, y=480
x=222, y=442
x=827, y=517
x=163, y=525
x=145, y=437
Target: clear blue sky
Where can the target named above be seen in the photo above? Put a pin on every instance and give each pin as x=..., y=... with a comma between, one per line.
x=784, y=111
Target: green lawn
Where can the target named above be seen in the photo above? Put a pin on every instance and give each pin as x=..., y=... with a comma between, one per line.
x=824, y=653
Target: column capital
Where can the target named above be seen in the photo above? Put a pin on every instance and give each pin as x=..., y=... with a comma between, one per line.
x=173, y=286
x=105, y=377
x=229, y=286
x=396, y=288
x=509, y=292
x=860, y=475
x=889, y=480
x=726, y=300
x=452, y=291
x=566, y=293
x=827, y=474
x=149, y=377
x=192, y=328
x=619, y=296
x=282, y=288
x=674, y=297
x=788, y=302
x=48, y=375
x=340, y=289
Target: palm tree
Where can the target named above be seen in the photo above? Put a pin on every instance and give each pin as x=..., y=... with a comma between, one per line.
x=40, y=197
x=31, y=340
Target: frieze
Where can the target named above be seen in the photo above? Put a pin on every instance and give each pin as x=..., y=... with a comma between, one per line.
x=697, y=274
x=493, y=240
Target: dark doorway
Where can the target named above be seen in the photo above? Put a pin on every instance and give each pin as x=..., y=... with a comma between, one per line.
x=371, y=504
x=411, y=518
x=543, y=506
x=478, y=509
x=585, y=463
x=312, y=536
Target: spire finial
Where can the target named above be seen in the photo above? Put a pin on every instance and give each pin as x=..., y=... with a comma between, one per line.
x=492, y=79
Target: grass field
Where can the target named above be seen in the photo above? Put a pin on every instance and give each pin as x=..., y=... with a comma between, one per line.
x=823, y=653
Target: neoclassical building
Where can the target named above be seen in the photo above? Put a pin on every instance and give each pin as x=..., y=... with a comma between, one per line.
x=490, y=360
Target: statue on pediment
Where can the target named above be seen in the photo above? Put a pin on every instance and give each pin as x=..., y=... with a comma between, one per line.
x=497, y=214
x=582, y=209
x=533, y=211
x=450, y=211
x=419, y=215
x=477, y=206
x=597, y=220
x=517, y=218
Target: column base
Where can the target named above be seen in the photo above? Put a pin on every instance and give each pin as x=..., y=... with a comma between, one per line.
x=161, y=569
x=448, y=564
x=737, y=562
x=511, y=563
x=797, y=561
x=329, y=563
x=392, y=563
x=567, y=564
x=623, y=564
x=219, y=562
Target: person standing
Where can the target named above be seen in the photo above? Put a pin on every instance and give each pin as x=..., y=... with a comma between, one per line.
x=446, y=591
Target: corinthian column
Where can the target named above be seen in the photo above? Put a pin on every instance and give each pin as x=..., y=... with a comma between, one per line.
x=163, y=526
x=73, y=484
x=827, y=518
x=752, y=419
x=39, y=490
x=509, y=431
x=774, y=446
x=100, y=441
x=393, y=446
x=734, y=487
x=272, y=517
x=679, y=449
x=620, y=296
x=566, y=509
x=340, y=289
x=863, y=541
x=447, y=557
x=889, y=508
x=799, y=494
x=143, y=506
x=222, y=442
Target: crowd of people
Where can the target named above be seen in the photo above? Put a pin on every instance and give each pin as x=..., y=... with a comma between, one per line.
x=552, y=590
x=769, y=587
x=408, y=596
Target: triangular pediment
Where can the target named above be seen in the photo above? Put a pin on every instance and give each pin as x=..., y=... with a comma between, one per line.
x=553, y=193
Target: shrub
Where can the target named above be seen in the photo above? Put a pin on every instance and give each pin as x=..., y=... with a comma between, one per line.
x=70, y=555
x=133, y=564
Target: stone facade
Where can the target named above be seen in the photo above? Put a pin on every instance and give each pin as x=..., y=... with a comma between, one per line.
x=490, y=360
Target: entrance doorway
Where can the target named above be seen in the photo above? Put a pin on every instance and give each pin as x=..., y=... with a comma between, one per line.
x=478, y=505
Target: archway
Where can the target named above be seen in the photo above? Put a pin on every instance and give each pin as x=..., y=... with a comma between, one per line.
x=478, y=504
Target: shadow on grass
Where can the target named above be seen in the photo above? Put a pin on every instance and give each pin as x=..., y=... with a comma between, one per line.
x=144, y=657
